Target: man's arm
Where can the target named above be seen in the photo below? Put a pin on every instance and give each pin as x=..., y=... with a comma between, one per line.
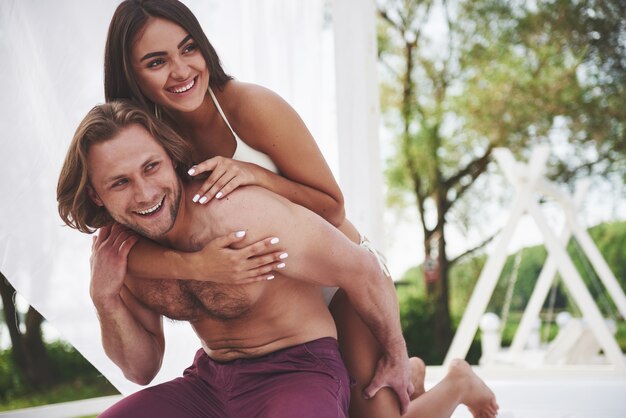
x=132, y=335
x=321, y=254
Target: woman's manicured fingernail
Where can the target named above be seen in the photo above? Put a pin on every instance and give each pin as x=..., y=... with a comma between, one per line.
x=191, y=171
x=274, y=240
x=280, y=266
x=269, y=278
x=195, y=198
x=283, y=256
x=218, y=195
x=203, y=200
x=240, y=234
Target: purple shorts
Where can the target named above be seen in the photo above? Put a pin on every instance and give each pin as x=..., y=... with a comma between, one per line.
x=305, y=381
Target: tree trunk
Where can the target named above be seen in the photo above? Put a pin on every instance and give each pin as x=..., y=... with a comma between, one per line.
x=437, y=294
x=11, y=319
x=28, y=349
x=39, y=370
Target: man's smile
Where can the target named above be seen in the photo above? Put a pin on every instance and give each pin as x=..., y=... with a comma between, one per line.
x=151, y=211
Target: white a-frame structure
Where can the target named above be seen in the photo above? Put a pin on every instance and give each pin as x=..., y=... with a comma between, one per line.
x=529, y=182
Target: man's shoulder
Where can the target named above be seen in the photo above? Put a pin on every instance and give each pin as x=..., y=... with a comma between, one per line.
x=246, y=200
x=250, y=193
x=259, y=212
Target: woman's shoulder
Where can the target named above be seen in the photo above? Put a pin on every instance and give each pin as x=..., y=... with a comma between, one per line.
x=240, y=99
x=254, y=111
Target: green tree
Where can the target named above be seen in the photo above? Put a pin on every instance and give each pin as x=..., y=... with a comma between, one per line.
x=504, y=73
x=28, y=349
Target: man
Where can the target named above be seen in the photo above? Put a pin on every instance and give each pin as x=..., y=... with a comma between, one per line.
x=269, y=348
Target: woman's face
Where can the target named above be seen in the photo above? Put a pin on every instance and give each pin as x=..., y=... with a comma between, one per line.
x=169, y=66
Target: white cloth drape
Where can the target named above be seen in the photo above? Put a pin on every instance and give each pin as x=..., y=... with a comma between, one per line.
x=52, y=75
x=357, y=101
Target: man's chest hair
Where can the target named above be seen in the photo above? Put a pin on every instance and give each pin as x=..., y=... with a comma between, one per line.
x=190, y=300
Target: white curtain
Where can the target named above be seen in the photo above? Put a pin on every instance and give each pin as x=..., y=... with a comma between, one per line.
x=52, y=75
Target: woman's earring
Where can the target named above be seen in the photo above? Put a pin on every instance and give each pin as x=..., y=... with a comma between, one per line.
x=157, y=111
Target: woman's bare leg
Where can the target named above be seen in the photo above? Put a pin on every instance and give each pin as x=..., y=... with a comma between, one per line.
x=460, y=386
x=418, y=375
x=360, y=352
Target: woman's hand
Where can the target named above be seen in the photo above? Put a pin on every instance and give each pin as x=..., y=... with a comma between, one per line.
x=226, y=175
x=109, y=255
x=219, y=262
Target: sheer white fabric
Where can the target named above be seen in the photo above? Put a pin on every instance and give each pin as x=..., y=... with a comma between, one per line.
x=360, y=168
x=52, y=75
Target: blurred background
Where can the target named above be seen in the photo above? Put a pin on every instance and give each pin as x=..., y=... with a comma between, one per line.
x=444, y=84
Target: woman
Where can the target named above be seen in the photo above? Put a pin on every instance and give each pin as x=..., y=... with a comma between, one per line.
x=158, y=55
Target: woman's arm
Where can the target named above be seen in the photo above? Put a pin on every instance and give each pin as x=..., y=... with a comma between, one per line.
x=270, y=125
x=216, y=262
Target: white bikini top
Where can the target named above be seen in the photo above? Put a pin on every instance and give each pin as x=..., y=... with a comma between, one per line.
x=243, y=151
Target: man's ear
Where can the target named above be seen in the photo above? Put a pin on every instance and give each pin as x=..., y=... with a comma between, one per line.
x=94, y=196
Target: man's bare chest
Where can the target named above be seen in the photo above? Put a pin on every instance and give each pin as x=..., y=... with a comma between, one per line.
x=191, y=300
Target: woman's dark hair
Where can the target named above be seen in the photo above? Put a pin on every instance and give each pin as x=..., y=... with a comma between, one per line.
x=127, y=22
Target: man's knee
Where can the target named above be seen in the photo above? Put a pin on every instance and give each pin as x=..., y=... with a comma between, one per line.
x=140, y=404
x=167, y=400
x=307, y=401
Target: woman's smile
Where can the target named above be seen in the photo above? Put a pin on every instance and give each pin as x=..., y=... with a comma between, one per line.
x=183, y=87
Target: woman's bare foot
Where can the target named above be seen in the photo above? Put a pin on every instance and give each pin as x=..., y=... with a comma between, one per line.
x=475, y=394
x=418, y=373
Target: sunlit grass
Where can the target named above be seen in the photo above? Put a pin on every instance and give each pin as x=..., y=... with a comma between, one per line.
x=61, y=393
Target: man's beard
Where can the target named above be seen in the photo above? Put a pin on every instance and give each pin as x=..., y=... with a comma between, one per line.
x=154, y=235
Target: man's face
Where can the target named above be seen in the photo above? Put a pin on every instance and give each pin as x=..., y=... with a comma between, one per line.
x=134, y=179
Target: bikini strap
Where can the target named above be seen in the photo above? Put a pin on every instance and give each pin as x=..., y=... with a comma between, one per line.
x=221, y=112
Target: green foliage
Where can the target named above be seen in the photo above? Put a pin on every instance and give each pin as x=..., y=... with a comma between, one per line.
x=463, y=276
x=76, y=379
x=68, y=364
x=11, y=383
x=509, y=72
x=610, y=238
x=63, y=392
x=620, y=335
x=415, y=316
x=531, y=263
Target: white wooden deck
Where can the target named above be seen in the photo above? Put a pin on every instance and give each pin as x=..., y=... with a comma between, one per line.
x=576, y=393
x=583, y=392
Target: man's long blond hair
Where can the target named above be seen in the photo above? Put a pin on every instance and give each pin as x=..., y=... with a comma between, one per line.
x=103, y=123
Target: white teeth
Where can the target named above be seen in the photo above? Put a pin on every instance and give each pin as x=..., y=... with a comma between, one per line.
x=152, y=209
x=184, y=88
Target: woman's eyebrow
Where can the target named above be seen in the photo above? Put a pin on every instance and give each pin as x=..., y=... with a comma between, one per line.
x=181, y=43
x=152, y=54
x=159, y=53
